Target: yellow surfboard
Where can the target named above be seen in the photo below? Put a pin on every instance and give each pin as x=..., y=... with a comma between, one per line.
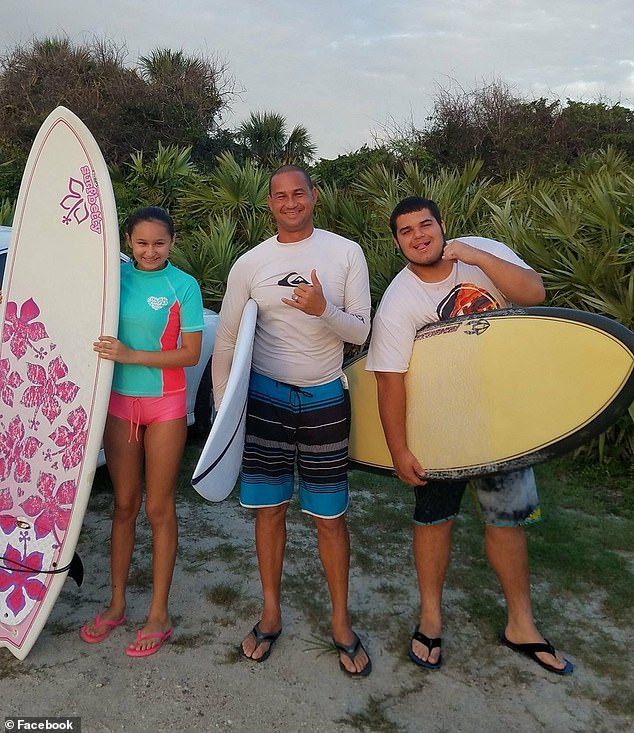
x=500, y=390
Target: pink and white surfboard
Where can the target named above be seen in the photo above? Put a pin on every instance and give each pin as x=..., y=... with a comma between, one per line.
x=60, y=291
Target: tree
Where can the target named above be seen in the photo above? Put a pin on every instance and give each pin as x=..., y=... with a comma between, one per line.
x=345, y=169
x=265, y=140
x=198, y=89
x=586, y=127
x=511, y=134
x=171, y=98
x=506, y=132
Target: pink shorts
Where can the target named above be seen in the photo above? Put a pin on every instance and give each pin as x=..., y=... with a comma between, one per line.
x=147, y=410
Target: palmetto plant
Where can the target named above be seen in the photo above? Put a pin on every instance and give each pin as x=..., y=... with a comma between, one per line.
x=7, y=209
x=363, y=212
x=236, y=190
x=226, y=213
x=208, y=254
x=153, y=181
x=579, y=233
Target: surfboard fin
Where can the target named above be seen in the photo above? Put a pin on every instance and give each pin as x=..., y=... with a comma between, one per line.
x=76, y=570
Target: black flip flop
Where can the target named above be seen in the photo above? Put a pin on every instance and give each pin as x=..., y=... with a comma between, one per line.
x=430, y=644
x=351, y=652
x=531, y=650
x=261, y=637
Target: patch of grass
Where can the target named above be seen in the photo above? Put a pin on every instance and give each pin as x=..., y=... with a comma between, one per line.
x=365, y=560
x=312, y=598
x=140, y=578
x=583, y=553
x=193, y=561
x=319, y=645
x=483, y=608
x=233, y=655
x=12, y=668
x=597, y=489
x=223, y=594
x=58, y=628
x=391, y=591
x=372, y=718
x=73, y=597
x=183, y=642
x=380, y=523
x=228, y=552
x=620, y=700
x=208, y=558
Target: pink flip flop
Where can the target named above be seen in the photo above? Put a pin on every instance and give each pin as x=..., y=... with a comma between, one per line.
x=103, y=626
x=161, y=638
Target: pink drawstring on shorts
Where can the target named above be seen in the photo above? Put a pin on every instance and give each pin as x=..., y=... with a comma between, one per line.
x=136, y=403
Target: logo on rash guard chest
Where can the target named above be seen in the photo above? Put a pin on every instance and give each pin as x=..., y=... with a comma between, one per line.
x=292, y=280
x=156, y=303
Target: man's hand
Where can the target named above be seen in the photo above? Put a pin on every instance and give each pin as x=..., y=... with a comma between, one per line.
x=408, y=469
x=458, y=250
x=308, y=298
x=520, y=285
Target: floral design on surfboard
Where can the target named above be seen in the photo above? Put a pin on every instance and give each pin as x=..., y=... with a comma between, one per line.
x=43, y=435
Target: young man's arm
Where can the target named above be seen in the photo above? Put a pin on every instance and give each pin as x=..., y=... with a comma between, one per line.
x=392, y=401
x=520, y=285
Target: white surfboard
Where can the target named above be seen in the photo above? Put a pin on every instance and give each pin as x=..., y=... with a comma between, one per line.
x=219, y=464
x=500, y=390
x=60, y=291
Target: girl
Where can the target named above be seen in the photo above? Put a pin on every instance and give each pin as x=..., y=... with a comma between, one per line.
x=160, y=333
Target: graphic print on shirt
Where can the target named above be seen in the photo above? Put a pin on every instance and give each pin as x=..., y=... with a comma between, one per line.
x=156, y=303
x=292, y=280
x=466, y=299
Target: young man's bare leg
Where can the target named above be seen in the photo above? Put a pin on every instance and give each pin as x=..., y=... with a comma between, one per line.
x=507, y=551
x=432, y=551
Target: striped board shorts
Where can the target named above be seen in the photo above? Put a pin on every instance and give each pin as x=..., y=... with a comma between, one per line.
x=288, y=425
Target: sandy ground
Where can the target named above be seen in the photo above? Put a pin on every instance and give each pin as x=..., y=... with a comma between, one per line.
x=198, y=682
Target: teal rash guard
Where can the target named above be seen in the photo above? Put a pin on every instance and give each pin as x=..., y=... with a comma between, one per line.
x=155, y=308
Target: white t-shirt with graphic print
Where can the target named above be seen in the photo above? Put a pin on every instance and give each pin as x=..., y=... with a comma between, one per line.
x=408, y=304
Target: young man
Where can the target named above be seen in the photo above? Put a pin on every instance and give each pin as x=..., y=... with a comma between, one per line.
x=313, y=294
x=445, y=279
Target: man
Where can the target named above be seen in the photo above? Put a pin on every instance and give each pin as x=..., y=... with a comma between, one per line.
x=312, y=291
x=443, y=280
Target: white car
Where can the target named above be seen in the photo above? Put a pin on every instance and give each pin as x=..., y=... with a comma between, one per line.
x=200, y=409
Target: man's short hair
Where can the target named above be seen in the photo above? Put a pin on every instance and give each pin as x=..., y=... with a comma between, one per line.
x=294, y=169
x=409, y=206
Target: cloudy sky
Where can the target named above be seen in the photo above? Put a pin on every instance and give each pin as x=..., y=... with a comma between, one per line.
x=349, y=69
